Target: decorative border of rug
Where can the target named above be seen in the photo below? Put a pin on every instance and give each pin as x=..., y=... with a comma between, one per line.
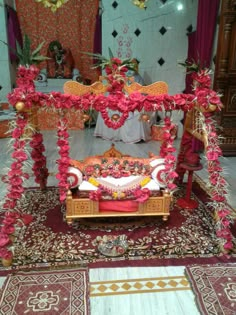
x=63, y=291
x=214, y=288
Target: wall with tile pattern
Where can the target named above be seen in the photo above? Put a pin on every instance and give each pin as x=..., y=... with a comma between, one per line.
x=156, y=36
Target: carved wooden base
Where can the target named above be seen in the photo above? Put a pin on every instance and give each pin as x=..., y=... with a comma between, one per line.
x=85, y=208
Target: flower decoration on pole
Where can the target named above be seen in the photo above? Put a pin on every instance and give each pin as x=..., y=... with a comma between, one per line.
x=21, y=131
x=63, y=161
x=218, y=185
x=115, y=70
x=39, y=168
x=15, y=178
x=210, y=101
x=167, y=151
x=206, y=97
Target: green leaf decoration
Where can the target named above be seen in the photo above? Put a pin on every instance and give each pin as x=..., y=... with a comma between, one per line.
x=110, y=53
x=102, y=61
x=37, y=50
x=24, y=54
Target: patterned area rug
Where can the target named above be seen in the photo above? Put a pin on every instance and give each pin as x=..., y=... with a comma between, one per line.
x=148, y=240
x=62, y=292
x=214, y=287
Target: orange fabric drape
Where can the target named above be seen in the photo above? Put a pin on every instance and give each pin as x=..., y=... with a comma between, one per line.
x=73, y=25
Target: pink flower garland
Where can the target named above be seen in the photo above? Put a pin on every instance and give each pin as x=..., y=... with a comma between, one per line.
x=139, y=194
x=16, y=174
x=219, y=191
x=63, y=161
x=116, y=100
x=15, y=187
x=7, y=229
x=219, y=185
x=39, y=168
x=205, y=96
x=166, y=152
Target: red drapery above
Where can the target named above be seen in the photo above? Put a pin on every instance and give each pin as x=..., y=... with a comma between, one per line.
x=201, y=43
x=206, y=25
x=73, y=25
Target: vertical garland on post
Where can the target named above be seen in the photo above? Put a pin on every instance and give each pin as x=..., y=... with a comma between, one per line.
x=166, y=151
x=39, y=168
x=218, y=184
x=15, y=189
x=63, y=161
x=16, y=174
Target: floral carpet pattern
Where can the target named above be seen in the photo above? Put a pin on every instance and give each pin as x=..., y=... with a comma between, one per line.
x=49, y=240
x=214, y=287
x=49, y=292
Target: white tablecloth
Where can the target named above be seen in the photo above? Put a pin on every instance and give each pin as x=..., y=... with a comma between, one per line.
x=132, y=131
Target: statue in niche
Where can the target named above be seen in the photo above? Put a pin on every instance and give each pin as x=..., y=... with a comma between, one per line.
x=61, y=62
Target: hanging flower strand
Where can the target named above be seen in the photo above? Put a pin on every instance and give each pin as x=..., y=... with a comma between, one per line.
x=218, y=184
x=63, y=161
x=16, y=175
x=15, y=189
x=167, y=152
x=39, y=168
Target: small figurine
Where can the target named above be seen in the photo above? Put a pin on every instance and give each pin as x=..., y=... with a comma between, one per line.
x=61, y=62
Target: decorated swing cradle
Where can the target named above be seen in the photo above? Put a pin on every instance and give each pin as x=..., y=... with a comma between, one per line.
x=116, y=94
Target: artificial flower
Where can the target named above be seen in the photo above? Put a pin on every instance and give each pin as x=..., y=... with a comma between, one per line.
x=6, y=254
x=116, y=100
x=95, y=195
x=4, y=239
x=8, y=229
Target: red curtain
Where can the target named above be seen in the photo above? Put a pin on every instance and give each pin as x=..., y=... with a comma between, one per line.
x=206, y=26
x=13, y=32
x=201, y=43
x=73, y=25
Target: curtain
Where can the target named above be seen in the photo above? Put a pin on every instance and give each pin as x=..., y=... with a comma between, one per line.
x=97, y=47
x=201, y=43
x=98, y=34
x=206, y=25
x=73, y=25
x=13, y=32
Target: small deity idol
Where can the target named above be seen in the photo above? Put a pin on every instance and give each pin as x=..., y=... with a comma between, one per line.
x=61, y=62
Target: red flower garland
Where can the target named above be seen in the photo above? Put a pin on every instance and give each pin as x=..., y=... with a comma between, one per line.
x=116, y=100
x=138, y=193
x=15, y=187
x=39, y=168
x=166, y=152
x=64, y=160
x=219, y=190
